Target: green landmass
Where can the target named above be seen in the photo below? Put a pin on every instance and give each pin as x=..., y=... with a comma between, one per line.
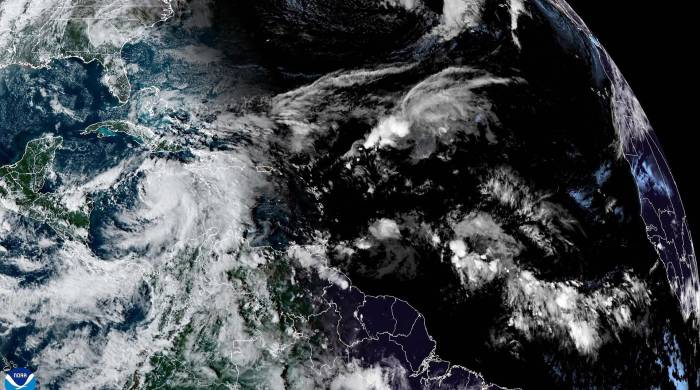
x=21, y=184
x=140, y=134
x=93, y=30
x=195, y=351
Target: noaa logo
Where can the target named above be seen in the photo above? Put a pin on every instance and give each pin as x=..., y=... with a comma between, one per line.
x=20, y=378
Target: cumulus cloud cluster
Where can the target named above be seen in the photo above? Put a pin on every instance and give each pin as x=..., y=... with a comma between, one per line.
x=437, y=110
x=390, y=375
x=483, y=252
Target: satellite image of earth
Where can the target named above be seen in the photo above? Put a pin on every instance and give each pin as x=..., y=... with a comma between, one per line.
x=333, y=194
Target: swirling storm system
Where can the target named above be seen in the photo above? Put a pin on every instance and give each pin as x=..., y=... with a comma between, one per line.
x=333, y=194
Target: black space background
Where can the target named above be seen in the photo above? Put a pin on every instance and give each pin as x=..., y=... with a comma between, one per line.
x=654, y=44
